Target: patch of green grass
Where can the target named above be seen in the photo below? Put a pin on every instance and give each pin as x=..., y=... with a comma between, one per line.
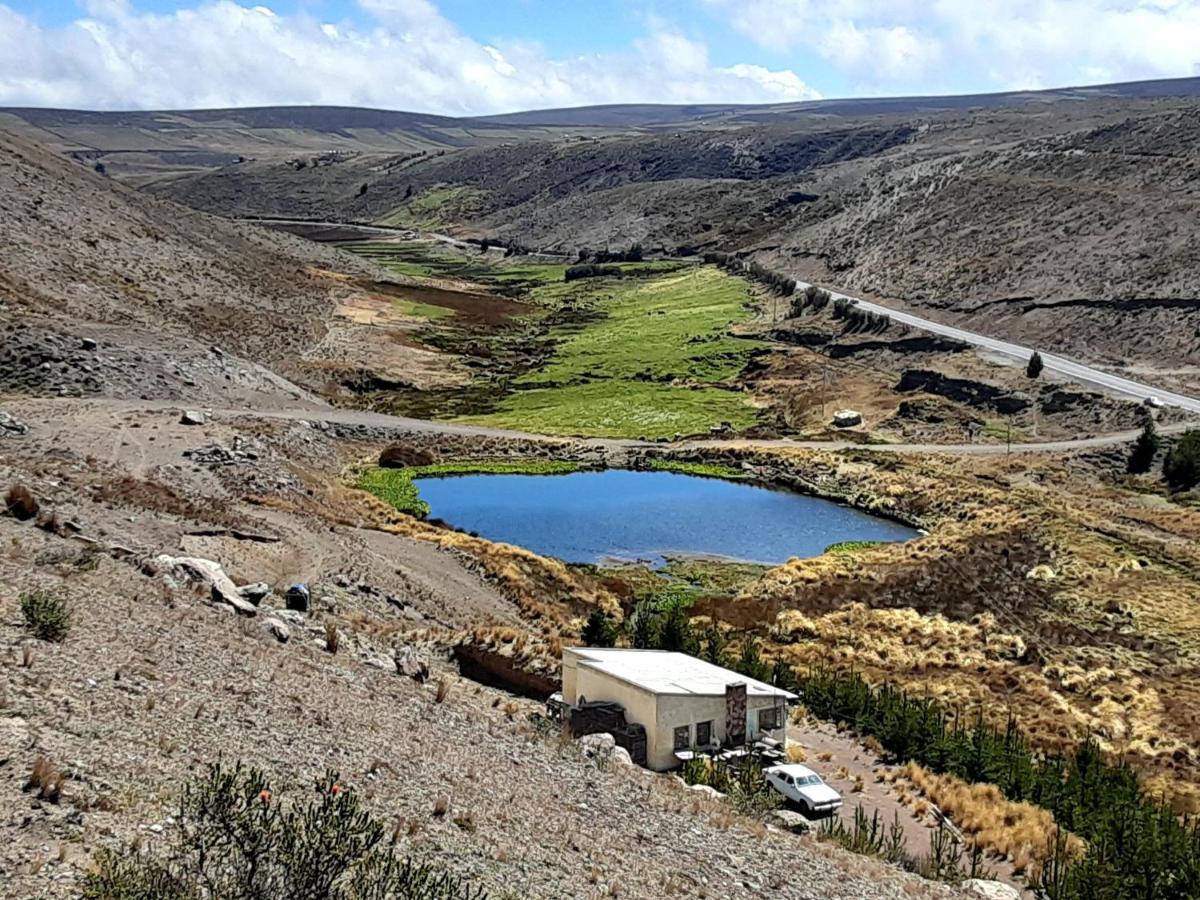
x=46, y=615
x=396, y=487
x=423, y=310
x=844, y=547
x=707, y=576
x=704, y=470
x=651, y=363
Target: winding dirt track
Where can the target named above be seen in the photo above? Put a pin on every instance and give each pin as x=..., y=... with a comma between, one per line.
x=402, y=425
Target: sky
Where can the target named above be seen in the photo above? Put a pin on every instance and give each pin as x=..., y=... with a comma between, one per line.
x=472, y=57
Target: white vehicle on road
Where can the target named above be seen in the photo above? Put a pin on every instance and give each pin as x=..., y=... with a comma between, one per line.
x=804, y=787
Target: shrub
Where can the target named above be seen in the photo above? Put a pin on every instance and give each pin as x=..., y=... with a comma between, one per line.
x=1141, y=457
x=1181, y=468
x=234, y=840
x=20, y=502
x=590, y=270
x=45, y=615
x=1035, y=365
x=599, y=631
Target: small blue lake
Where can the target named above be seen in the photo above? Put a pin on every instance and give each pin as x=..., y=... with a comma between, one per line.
x=592, y=517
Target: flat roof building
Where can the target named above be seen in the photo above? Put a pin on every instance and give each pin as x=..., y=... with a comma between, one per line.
x=684, y=703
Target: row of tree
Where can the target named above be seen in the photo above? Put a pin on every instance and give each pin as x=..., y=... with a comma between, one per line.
x=635, y=253
x=777, y=283
x=858, y=320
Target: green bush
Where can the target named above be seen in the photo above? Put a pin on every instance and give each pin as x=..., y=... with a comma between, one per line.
x=1181, y=468
x=45, y=615
x=233, y=839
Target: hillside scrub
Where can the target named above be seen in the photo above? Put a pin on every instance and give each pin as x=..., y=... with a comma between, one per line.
x=1136, y=846
x=234, y=838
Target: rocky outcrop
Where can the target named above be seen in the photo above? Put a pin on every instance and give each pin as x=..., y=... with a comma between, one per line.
x=963, y=390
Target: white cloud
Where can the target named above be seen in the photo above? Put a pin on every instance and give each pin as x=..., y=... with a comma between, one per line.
x=408, y=56
x=888, y=46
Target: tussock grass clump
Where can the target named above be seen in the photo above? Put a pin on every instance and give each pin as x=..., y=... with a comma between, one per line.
x=46, y=615
x=234, y=839
x=20, y=502
x=47, y=779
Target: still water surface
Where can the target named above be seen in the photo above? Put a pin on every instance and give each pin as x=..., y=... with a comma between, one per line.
x=596, y=517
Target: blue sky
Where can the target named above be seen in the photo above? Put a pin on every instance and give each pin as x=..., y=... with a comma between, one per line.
x=480, y=56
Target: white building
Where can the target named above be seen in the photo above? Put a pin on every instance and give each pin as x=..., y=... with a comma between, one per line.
x=682, y=702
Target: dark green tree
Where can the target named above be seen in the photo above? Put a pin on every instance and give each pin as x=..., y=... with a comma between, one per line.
x=1144, y=449
x=599, y=631
x=751, y=664
x=1181, y=468
x=675, y=631
x=715, y=645
x=1035, y=366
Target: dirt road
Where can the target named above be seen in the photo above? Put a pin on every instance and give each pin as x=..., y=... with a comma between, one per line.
x=400, y=424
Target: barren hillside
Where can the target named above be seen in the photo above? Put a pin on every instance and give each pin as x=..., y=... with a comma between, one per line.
x=1065, y=224
x=136, y=295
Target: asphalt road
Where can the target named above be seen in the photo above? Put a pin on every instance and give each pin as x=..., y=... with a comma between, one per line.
x=1059, y=365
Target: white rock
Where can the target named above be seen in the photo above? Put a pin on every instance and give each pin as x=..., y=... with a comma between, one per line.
x=278, y=629
x=597, y=744
x=207, y=572
x=711, y=792
x=990, y=890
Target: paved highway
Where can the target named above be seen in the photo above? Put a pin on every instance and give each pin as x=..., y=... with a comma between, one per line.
x=1059, y=365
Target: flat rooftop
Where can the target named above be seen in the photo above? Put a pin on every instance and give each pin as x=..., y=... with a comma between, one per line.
x=664, y=672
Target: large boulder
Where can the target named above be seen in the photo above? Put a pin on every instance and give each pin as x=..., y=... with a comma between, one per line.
x=205, y=571
x=10, y=425
x=401, y=457
x=256, y=592
x=792, y=821
x=408, y=663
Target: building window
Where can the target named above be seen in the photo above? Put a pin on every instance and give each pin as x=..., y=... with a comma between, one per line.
x=683, y=737
x=770, y=718
x=703, y=734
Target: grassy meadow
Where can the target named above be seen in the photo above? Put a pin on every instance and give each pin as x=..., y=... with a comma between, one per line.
x=649, y=354
x=652, y=359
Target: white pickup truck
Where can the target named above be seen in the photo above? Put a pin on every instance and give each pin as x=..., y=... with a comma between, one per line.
x=804, y=787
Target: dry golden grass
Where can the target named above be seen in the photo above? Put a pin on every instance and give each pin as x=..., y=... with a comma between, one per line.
x=1019, y=832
